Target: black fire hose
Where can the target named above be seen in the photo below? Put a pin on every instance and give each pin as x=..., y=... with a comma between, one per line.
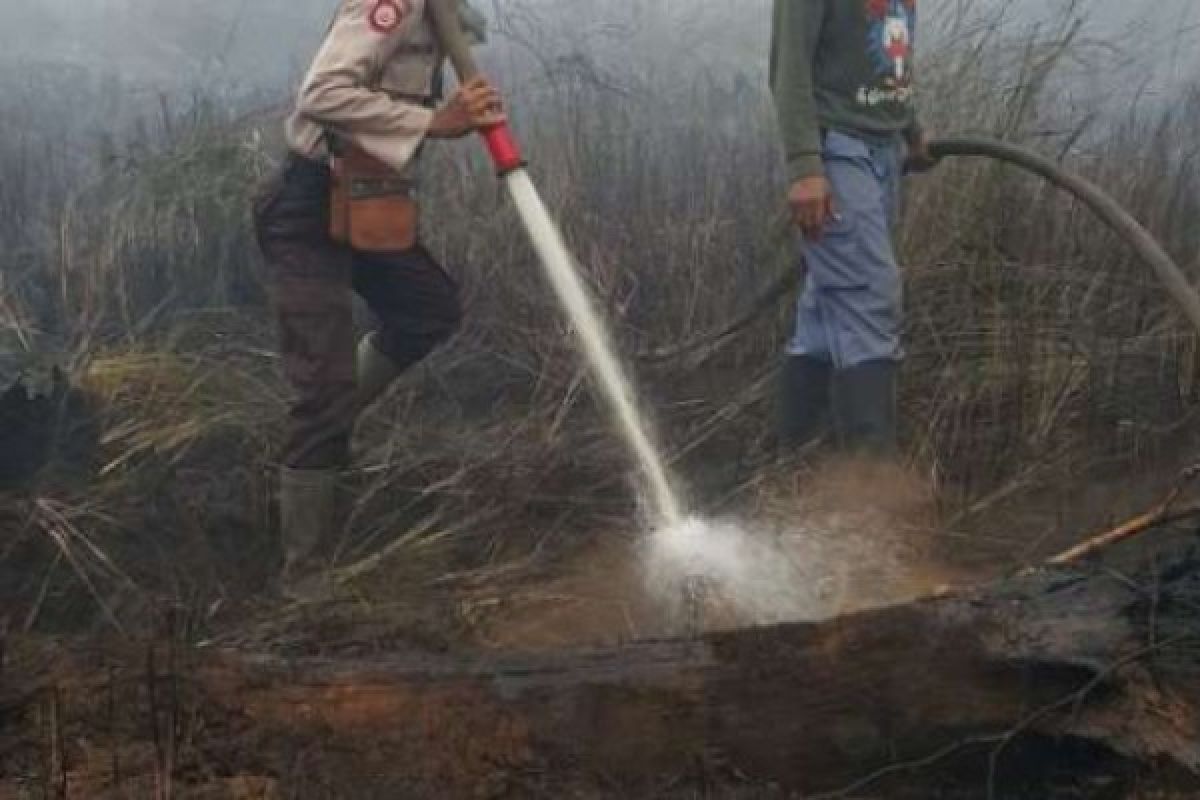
x=1110, y=212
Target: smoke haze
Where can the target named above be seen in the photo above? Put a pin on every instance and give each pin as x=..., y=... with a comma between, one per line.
x=243, y=45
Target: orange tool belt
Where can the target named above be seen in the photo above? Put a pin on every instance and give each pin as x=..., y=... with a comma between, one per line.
x=371, y=208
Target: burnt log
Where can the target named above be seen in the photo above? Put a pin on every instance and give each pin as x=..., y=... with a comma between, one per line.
x=810, y=708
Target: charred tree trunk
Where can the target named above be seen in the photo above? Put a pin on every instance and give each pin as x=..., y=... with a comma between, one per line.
x=811, y=707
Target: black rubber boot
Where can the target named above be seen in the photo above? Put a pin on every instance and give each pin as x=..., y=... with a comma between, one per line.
x=804, y=387
x=864, y=403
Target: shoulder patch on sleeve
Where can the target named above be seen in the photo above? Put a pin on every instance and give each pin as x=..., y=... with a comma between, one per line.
x=386, y=15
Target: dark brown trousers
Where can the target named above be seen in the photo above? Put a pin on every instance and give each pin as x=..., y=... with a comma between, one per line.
x=414, y=299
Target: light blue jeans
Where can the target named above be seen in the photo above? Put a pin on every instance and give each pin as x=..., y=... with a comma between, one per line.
x=850, y=309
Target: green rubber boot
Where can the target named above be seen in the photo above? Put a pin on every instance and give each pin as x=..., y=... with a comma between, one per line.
x=374, y=372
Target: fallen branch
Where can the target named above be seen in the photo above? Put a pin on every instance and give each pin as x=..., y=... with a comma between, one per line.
x=1161, y=515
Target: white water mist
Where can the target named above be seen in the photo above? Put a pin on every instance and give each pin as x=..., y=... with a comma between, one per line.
x=810, y=567
x=745, y=570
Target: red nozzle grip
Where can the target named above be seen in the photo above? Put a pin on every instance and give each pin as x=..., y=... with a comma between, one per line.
x=503, y=147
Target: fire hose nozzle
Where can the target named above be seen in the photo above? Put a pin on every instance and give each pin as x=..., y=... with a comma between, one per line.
x=503, y=148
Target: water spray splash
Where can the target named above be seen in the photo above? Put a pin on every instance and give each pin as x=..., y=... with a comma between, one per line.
x=745, y=570
x=684, y=584
x=811, y=565
x=698, y=553
x=609, y=377
x=692, y=565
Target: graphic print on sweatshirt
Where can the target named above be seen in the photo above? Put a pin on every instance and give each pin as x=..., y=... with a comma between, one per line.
x=891, y=34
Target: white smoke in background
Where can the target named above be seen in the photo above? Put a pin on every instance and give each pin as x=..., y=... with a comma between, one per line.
x=812, y=569
x=267, y=43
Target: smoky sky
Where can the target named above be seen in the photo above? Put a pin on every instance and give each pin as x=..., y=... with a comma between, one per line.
x=265, y=43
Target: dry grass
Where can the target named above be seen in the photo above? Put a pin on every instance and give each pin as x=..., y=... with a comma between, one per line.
x=1038, y=348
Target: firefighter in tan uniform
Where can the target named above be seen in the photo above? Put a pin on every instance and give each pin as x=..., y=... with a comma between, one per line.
x=370, y=97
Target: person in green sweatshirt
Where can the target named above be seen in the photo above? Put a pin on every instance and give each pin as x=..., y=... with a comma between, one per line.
x=841, y=74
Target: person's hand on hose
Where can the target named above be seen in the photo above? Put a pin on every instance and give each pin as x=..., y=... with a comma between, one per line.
x=474, y=105
x=919, y=158
x=811, y=200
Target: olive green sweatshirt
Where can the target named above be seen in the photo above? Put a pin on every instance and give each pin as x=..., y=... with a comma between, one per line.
x=844, y=65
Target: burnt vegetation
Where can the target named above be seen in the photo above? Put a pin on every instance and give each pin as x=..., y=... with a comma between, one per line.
x=1050, y=389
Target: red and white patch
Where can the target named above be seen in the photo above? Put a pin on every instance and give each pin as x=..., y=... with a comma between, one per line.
x=386, y=15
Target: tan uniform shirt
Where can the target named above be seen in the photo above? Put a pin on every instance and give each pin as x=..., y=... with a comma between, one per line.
x=376, y=65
